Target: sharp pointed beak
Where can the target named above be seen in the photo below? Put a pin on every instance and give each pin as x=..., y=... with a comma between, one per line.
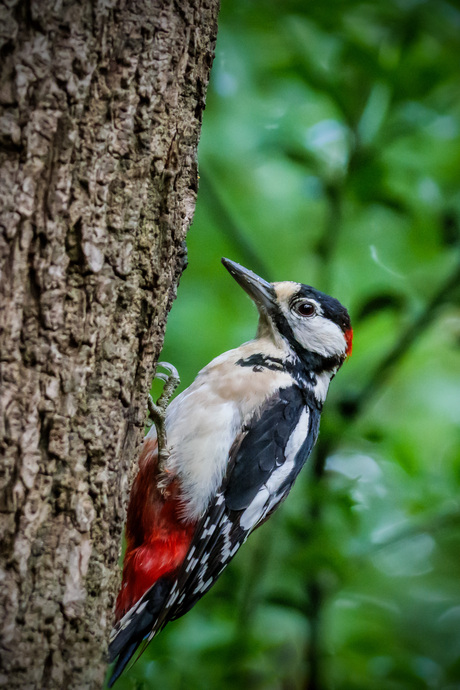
x=261, y=292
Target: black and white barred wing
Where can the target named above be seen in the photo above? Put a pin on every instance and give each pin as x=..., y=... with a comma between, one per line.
x=264, y=462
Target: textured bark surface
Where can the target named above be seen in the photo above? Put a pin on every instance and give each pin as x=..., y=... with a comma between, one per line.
x=101, y=106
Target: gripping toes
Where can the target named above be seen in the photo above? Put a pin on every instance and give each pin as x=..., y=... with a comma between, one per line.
x=157, y=410
x=172, y=371
x=171, y=381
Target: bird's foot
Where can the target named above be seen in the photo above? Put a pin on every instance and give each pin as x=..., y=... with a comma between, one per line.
x=157, y=410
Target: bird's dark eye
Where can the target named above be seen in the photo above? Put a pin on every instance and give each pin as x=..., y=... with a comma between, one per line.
x=305, y=309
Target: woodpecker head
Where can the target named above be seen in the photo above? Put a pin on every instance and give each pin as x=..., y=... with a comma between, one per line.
x=311, y=322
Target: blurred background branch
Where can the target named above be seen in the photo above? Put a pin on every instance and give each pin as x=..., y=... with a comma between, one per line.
x=448, y=292
x=225, y=223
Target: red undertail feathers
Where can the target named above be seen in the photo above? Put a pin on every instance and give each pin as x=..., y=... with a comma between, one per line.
x=157, y=539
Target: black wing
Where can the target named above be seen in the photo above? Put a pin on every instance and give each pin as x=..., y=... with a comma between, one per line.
x=264, y=462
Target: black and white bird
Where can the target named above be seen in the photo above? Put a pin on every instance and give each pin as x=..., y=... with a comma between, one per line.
x=235, y=441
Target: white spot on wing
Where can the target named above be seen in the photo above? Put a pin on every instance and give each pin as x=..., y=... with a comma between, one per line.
x=296, y=439
x=268, y=496
x=124, y=622
x=227, y=545
x=255, y=509
x=172, y=598
x=235, y=549
x=192, y=563
x=298, y=436
x=203, y=586
x=208, y=532
x=141, y=607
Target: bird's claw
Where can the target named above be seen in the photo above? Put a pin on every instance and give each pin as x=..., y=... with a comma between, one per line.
x=170, y=368
x=157, y=410
x=171, y=381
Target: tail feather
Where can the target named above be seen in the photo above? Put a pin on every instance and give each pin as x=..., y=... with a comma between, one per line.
x=157, y=541
x=129, y=632
x=122, y=662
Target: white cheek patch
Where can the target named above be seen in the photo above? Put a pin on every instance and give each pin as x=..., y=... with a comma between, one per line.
x=318, y=334
x=325, y=336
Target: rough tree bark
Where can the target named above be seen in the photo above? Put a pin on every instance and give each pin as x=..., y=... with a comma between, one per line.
x=101, y=106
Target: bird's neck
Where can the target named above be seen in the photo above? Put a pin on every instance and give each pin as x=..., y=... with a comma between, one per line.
x=311, y=371
x=312, y=374
x=267, y=333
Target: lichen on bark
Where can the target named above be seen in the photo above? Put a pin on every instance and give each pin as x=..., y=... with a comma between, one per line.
x=100, y=115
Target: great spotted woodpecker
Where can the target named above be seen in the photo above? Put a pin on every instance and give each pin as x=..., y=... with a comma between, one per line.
x=236, y=441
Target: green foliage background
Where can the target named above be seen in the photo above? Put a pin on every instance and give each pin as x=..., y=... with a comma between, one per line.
x=330, y=155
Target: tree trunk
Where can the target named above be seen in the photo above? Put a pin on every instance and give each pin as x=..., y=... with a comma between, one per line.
x=101, y=108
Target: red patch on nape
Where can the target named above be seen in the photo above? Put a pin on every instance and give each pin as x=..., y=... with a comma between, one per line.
x=349, y=341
